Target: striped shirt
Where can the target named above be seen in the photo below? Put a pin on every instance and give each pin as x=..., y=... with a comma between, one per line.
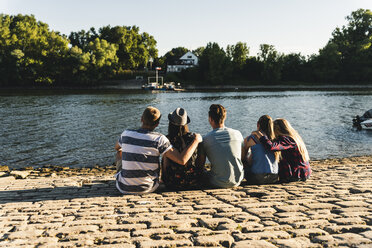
x=141, y=150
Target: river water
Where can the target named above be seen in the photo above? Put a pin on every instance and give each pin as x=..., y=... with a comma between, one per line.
x=80, y=130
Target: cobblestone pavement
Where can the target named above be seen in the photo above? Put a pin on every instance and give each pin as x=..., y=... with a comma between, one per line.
x=332, y=209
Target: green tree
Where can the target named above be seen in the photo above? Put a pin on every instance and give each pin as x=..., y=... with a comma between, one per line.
x=103, y=58
x=173, y=55
x=293, y=67
x=238, y=54
x=29, y=51
x=214, y=65
x=353, y=43
x=82, y=38
x=272, y=61
x=134, y=49
x=198, y=51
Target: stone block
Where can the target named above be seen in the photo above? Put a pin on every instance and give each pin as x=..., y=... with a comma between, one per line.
x=262, y=235
x=219, y=240
x=213, y=223
x=165, y=243
x=299, y=242
x=151, y=232
x=347, y=204
x=350, y=239
x=347, y=228
x=253, y=243
x=312, y=232
x=347, y=221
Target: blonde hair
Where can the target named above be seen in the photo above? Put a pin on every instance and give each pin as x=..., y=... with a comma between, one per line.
x=283, y=128
x=267, y=126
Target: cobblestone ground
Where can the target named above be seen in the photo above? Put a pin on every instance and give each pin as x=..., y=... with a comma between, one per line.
x=332, y=209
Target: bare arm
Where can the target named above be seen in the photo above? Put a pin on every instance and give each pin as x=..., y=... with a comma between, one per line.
x=185, y=155
x=200, y=159
x=117, y=146
x=247, y=145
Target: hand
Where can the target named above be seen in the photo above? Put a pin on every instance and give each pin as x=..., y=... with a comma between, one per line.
x=198, y=137
x=257, y=134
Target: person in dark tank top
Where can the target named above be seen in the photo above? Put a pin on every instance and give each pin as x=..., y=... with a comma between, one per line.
x=176, y=176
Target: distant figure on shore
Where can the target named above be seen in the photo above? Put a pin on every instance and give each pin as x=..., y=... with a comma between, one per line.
x=140, y=151
x=223, y=147
x=294, y=163
x=260, y=164
x=174, y=175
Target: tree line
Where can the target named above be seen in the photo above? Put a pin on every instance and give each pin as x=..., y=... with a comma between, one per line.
x=31, y=54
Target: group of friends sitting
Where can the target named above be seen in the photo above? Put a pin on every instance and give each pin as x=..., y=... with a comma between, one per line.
x=274, y=153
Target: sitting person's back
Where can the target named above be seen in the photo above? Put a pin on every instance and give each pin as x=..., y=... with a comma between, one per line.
x=294, y=163
x=139, y=151
x=174, y=175
x=223, y=148
x=260, y=165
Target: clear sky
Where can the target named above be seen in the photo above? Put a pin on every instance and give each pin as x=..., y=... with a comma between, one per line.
x=290, y=25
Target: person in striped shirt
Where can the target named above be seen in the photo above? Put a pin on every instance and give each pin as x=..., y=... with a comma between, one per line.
x=140, y=150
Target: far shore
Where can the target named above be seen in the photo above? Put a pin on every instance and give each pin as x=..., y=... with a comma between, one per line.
x=134, y=85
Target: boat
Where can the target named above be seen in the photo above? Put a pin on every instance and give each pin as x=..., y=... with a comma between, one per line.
x=364, y=121
x=367, y=124
x=157, y=84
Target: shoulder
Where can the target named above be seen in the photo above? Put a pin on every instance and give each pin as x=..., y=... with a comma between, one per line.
x=235, y=132
x=286, y=139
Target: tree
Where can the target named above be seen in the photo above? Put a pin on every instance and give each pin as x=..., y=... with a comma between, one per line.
x=214, y=65
x=353, y=44
x=102, y=58
x=198, y=51
x=173, y=55
x=238, y=54
x=272, y=61
x=29, y=51
x=293, y=67
x=134, y=49
x=82, y=38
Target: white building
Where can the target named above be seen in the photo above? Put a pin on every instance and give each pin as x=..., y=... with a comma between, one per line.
x=186, y=61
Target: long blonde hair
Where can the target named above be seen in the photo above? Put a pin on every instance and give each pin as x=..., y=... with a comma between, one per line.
x=267, y=126
x=283, y=128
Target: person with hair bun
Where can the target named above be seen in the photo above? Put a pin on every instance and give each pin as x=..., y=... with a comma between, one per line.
x=260, y=165
x=294, y=164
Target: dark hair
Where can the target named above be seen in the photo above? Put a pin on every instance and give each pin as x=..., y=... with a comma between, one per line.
x=176, y=131
x=218, y=113
x=267, y=126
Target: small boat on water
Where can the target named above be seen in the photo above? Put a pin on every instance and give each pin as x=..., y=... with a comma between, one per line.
x=171, y=86
x=159, y=85
x=364, y=121
x=367, y=124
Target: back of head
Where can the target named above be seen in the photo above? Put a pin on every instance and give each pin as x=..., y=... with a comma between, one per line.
x=151, y=116
x=282, y=127
x=218, y=113
x=176, y=131
x=267, y=126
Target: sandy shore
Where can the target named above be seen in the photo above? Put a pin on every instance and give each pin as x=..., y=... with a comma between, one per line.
x=63, y=207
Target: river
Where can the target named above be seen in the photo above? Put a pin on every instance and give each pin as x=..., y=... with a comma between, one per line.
x=80, y=129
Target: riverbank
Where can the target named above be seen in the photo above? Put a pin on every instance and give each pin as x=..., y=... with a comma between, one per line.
x=64, y=207
x=136, y=86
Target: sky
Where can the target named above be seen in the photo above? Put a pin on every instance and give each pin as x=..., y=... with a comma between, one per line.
x=299, y=26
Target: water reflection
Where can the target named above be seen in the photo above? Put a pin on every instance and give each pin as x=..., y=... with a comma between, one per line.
x=81, y=129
